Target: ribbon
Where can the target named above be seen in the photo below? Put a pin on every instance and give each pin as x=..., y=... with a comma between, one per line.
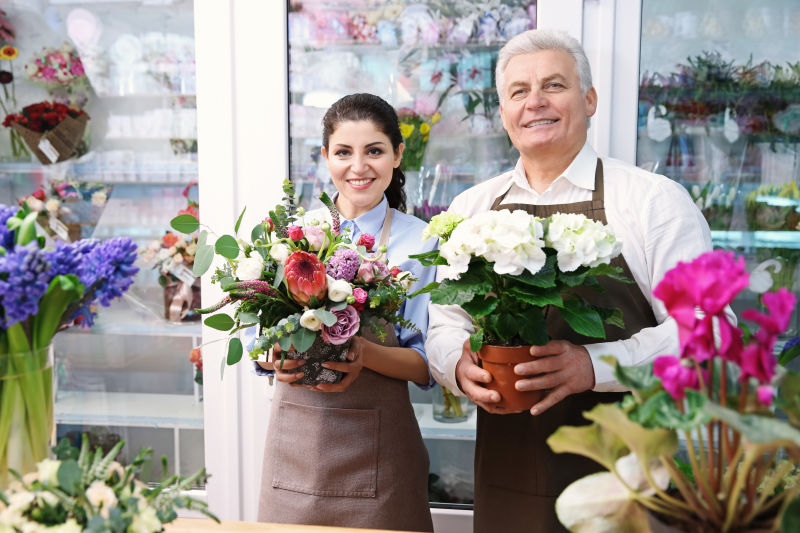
x=181, y=302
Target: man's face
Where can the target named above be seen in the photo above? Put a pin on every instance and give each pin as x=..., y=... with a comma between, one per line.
x=543, y=109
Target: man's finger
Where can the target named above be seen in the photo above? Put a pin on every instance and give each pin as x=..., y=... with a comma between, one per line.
x=551, y=380
x=541, y=365
x=551, y=348
x=552, y=398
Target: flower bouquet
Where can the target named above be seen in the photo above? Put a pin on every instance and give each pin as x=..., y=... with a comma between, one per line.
x=52, y=131
x=42, y=291
x=415, y=127
x=84, y=491
x=303, y=283
x=736, y=467
x=506, y=268
x=716, y=203
x=68, y=207
x=61, y=71
x=8, y=103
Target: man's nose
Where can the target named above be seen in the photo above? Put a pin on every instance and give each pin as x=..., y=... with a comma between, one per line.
x=535, y=99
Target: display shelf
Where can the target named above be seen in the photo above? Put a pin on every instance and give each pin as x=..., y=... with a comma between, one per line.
x=128, y=409
x=433, y=429
x=756, y=239
x=137, y=321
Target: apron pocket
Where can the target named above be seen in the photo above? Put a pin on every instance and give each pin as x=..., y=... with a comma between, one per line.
x=326, y=451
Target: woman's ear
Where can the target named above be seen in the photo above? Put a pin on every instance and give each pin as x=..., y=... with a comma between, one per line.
x=398, y=155
x=324, y=153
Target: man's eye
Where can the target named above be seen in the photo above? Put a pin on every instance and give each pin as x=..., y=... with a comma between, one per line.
x=517, y=93
x=555, y=85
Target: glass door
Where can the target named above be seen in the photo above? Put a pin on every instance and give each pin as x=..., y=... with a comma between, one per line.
x=719, y=112
x=130, y=67
x=434, y=62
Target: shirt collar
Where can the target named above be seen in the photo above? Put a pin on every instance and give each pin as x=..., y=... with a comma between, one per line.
x=372, y=221
x=580, y=172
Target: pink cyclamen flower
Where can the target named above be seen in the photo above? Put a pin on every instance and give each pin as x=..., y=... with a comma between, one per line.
x=758, y=361
x=765, y=394
x=347, y=324
x=295, y=232
x=780, y=305
x=675, y=375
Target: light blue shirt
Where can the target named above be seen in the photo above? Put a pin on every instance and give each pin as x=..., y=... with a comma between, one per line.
x=405, y=238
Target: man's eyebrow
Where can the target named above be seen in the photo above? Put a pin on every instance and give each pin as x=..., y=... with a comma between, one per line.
x=553, y=77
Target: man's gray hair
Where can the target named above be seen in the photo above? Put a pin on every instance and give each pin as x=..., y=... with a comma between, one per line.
x=545, y=39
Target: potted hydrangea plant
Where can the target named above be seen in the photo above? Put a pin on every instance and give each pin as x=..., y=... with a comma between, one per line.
x=505, y=268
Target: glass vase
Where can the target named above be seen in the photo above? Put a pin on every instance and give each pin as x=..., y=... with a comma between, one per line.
x=13, y=147
x=26, y=411
x=449, y=408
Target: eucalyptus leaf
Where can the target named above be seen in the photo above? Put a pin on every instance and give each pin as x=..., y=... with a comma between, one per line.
x=220, y=321
x=203, y=258
x=339, y=306
x=247, y=318
x=227, y=246
x=285, y=343
x=235, y=351
x=302, y=339
x=185, y=223
x=257, y=233
x=239, y=221
x=278, y=276
x=326, y=317
x=226, y=283
x=69, y=476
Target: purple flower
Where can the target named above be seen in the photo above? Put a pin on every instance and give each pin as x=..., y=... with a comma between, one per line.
x=344, y=264
x=24, y=278
x=347, y=324
x=107, y=269
x=675, y=376
x=6, y=235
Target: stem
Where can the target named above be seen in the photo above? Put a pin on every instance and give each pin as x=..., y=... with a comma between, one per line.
x=701, y=480
x=682, y=483
x=769, y=488
x=733, y=501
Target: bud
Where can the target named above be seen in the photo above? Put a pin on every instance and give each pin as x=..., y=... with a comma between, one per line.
x=325, y=226
x=351, y=299
x=382, y=249
x=301, y=211
x=314, y=222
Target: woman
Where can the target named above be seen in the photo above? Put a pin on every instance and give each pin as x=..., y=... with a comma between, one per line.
x=356, y=458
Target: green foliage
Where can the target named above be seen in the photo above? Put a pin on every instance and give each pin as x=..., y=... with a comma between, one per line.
x=185, y=224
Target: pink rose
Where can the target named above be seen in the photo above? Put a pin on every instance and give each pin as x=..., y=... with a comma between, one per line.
x=295, y=232
x=347, y=324
x=372, y=271
x=360, y=295
x=316, y=237
x=366, y=240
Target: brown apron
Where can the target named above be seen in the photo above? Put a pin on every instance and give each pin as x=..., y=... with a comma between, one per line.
x=517, y=476
x=354, y=458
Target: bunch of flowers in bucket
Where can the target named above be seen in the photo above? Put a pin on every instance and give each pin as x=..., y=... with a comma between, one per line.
x=303, y=283
x=51, y=129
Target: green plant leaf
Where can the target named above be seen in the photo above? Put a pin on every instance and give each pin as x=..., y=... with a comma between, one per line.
x=583, y=319
x=755, y=428
x=220, y=321
x=239, y=221
x=285, y=343
x=545, y=278
x=636, y=378
x=591, y=441
x=278, y=276
x=204, y=255
x=27, y=230
x=247, y=318
x=326, y=317
x=537, y=297
x=480, y=306
x=69, y=476
x=184, y=223
x=476, y=340
x=645, y=443
x=226, y=246
x=234, y=351
x=786, y=356
x=257, y=233
x=659, y=410
x=788, y=397
x=507, y=326
x=302, y=339
x=533, y=328
x=790, y=521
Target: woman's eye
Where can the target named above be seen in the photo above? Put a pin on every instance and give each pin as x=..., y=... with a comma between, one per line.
x=375, y=151
x=341, y=153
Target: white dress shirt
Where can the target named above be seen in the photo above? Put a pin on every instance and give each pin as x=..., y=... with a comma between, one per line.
x=652, y=215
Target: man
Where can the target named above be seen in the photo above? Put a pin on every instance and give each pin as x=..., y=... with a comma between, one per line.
x=546, y=99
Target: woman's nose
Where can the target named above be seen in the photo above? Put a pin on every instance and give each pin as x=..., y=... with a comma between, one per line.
x=359, y=164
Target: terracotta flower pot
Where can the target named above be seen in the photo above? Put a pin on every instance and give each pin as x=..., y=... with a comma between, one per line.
x=499, y=361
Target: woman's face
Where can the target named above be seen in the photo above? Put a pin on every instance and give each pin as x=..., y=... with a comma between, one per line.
x=361, y=160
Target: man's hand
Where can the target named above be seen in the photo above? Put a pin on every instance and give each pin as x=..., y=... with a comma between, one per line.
x=561, y=368
x=352, y=368
x=471, y=379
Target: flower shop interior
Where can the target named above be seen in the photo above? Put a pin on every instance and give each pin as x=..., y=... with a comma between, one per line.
x=121, y=115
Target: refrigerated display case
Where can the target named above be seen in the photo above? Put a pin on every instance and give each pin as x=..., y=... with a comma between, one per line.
x=130, y=67
x=719, y=113
x=434, y=62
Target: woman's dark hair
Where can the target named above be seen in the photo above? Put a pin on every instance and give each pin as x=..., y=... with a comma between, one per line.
x=365, y=106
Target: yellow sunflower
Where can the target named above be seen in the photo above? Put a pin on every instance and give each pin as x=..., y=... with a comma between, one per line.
x=8, y=52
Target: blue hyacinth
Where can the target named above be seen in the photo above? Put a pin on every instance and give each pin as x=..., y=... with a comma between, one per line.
x=6, y=235
x=24, y=278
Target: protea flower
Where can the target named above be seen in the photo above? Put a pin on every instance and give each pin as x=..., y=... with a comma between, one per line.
x=305, y=277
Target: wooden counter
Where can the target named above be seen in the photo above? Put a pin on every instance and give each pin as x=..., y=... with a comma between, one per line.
x=202, y=525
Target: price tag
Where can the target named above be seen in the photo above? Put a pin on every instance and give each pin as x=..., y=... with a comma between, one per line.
x=658, y=129
x=730, y=128
x=48, y=150
x=59, y=228
x=183, y=273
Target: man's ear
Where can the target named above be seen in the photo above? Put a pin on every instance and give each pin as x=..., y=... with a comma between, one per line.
x=591, y=102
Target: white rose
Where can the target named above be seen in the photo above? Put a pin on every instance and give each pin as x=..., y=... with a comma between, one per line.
x=310, y=321
x=34, y=203
x=52, y=205
x=70, y=526
x=101, y=496
x=279, y=252
x=250, y=268
x=146, y=521
x=48, y=471
x=20, y=501
x=338, y=289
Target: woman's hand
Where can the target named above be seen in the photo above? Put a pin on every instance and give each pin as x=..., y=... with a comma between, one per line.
x=352, y=367
x=288, y=371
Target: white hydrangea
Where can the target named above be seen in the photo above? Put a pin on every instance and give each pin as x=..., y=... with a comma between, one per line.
x=580, y=241
x=510, y=240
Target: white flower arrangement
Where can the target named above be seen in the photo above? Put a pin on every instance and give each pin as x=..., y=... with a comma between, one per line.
x=84, y=491
x=580, y=241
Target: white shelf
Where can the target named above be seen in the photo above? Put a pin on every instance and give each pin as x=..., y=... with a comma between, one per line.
x=136, y=321
x=129, y=409
x=433, y=429
x=756, y=239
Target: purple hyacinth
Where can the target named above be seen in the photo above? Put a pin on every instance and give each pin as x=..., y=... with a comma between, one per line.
x=344, y=264
x=67, y=258
x=24, y=278
x=6, y=235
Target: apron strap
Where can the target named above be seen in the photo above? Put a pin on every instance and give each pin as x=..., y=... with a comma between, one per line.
x=387, y=227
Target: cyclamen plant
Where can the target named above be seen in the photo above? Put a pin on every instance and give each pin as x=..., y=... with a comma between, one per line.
x=300, y=282
x=738, y=471
x=503, y=268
